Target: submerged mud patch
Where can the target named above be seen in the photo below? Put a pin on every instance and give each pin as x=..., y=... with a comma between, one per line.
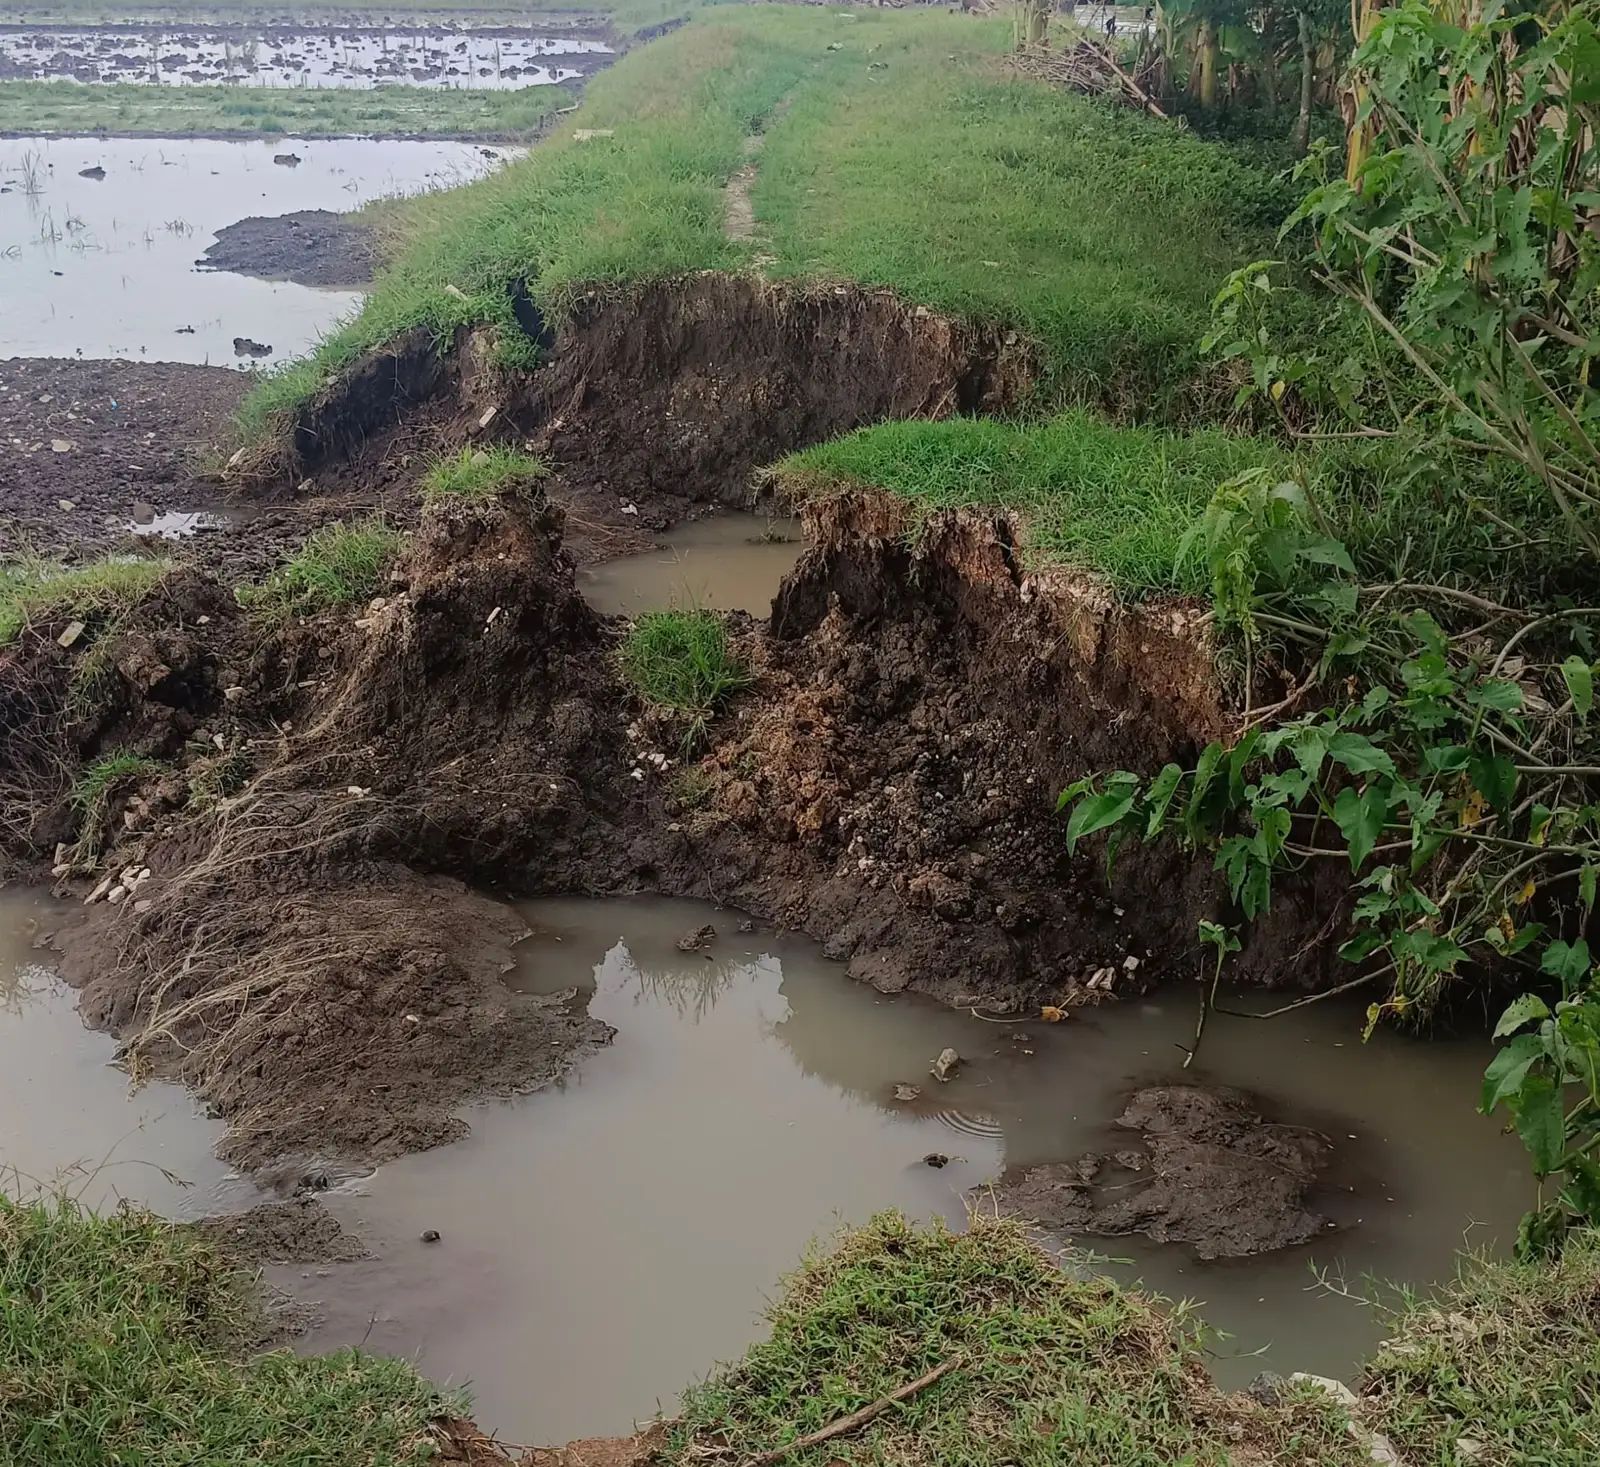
x=308, y=247
x=1209, y=1172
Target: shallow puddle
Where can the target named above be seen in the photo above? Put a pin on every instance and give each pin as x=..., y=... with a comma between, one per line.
x=729, y=562
x=105, y=266
x=484, y=61
x=69, y=1116
x=605, y=1242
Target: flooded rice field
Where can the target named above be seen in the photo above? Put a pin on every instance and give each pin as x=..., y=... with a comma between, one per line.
x=729, y=562
x=608, y=1240
x=492, y=60
x=69, y=1116
x=99, y=240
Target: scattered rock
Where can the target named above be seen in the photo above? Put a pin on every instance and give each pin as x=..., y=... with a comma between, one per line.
x=243, y=346
x=100, y=890
x=430, y=1235
x=907, y=1093
x=1269, y=1388
x=746, y=925
x=694, y=941
x=936, y=1159
x=116, y=894
x=70, y=633
x=946, y=1065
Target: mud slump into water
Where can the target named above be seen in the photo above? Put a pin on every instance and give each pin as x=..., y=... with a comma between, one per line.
x=605, y=1242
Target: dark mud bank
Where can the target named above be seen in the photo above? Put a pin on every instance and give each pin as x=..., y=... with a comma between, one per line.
x=309, y=247
x=307, y=950
x=681, y=387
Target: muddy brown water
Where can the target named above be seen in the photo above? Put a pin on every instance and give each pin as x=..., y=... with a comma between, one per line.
x=729, y=562
x=608, y=1240
x=106, y=267
x=69, y=1119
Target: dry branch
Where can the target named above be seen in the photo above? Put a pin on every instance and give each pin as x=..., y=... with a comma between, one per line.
x=1087, y=67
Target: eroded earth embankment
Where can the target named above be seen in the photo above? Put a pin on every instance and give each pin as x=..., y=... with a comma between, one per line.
x=309, y=948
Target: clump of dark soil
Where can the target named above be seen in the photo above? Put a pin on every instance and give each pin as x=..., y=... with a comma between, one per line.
x=310, y=247
x=300, y=1230
x=1209, y=1173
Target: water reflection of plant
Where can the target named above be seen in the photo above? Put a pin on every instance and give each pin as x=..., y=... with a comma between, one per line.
x=693, y=989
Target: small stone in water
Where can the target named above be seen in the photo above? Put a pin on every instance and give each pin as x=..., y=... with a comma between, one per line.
x=907, y=1092
x=946, y=1065
x=430, y=1235
x=936, y=1159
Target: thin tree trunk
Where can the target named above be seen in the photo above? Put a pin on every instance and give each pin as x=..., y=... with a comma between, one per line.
x=1301, y=137
x=1205, y=80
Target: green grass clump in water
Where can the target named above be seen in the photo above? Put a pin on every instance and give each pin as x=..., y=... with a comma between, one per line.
x=338, y=565
x=908, y=157
x=475, y=476
x=1114, y=500
x=1508, y=1356
x=681, y=660
x=117, y=1346
x=39, y=593
x=1052, y=1368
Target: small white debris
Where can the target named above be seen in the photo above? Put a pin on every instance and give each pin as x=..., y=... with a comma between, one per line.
x=1468, y=1449
x=493, y=617
x=479, y=459
x=456, y=291
x=636, y=774
x=66, y=506
x=583, y=134
x=233, y=694
x=236, y=458
x=204, y=621
x=99, y=891
x=130, y=874
x=1130, y=962
x=1116, y=911
x=487, y=418
x=359, y=791
x=306, y=486
x=946, y=1065
x=412, y=1019
x=61, y=445
x=70, y=633
x=116, y=894
x=219, y=741
x=629, y=508
x=143, y=904
x=907, y=1093
x=60, y=869
x=377, y=604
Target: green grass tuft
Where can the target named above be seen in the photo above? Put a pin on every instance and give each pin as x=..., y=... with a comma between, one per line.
x=117, y=1341
x=339, y=565
x=38, y=594
x=1114, y=500
x=1053, y=1368
x=1508, y=1356
x=476, y=476
x=681, y=660
x=99, y=781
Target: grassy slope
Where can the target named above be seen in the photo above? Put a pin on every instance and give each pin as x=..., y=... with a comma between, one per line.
x=1053, y=1369
x=126, y=108
x=886, y=162
x=1117, y=500
x=116, y=1346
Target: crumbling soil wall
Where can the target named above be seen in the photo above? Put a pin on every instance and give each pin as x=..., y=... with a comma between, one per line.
x=681, y=387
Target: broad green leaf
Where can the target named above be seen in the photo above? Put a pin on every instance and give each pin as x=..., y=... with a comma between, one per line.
x=1498, y=694
x=1359, y=754
x=1072, y=791
x=1204, y=771
x=1159, y=796
x=1540, y=1121
x=1360, y=817
x=1508, y=1069
x=1567, y=961
x=1495, y=777
x=1521, y=1011
x=1579, y=678
x=1586, y=886
x=1096, y=812
x=1583, y=1186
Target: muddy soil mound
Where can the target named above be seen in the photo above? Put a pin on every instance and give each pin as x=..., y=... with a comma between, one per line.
x=284, y=955
x=310, y=247
x=1210, y=1173
x=681, y=387
x=892, y=791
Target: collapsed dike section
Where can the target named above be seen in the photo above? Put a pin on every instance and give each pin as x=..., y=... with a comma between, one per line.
x=313, y=951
